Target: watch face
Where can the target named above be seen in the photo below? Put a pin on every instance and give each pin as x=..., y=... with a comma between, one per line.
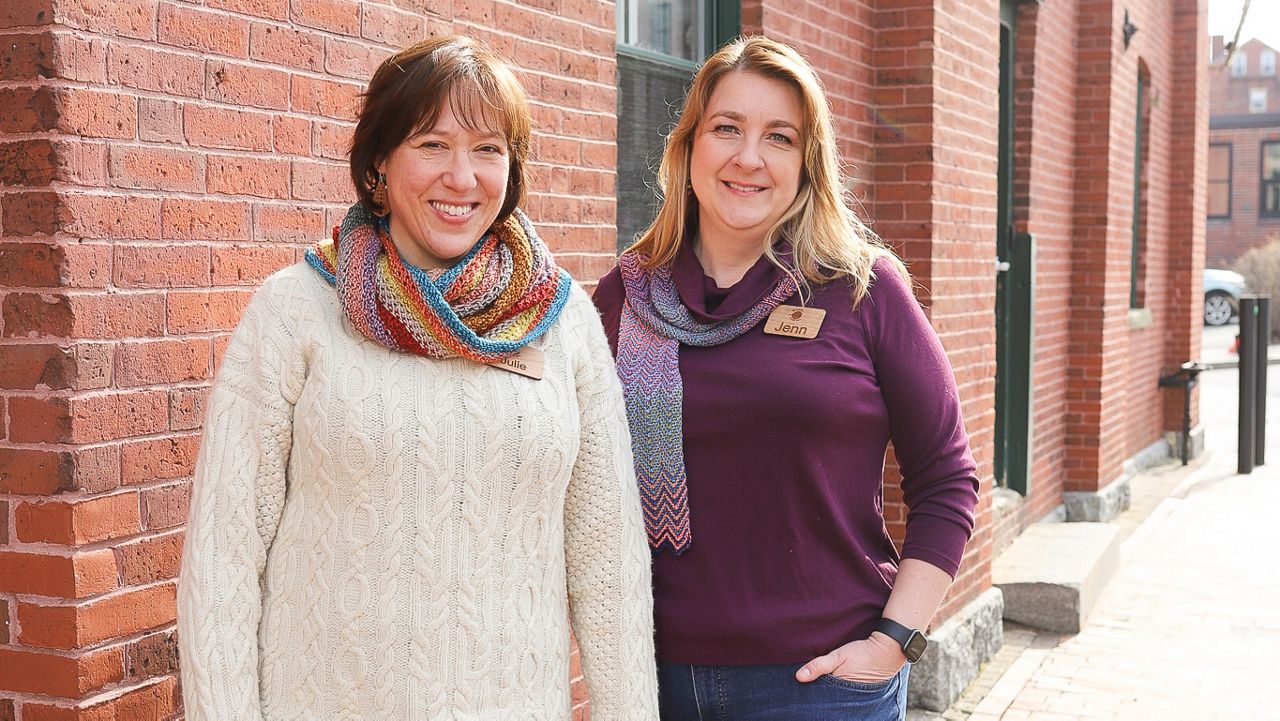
x=915, y=646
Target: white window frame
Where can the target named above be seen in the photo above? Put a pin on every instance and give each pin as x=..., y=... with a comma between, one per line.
x=1267, y=63
x=628, y=17
x=1239, y=64
x=1258, y=100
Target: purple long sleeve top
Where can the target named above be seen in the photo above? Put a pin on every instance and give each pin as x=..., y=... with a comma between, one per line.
x=784, y=444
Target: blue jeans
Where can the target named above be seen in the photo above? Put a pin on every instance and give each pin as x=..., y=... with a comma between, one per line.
x=772, y=693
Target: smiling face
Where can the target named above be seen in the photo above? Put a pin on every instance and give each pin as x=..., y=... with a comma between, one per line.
x=748, y=152
x=445, y=187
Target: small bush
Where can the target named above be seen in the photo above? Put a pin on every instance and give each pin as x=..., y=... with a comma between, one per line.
x=1261, y=270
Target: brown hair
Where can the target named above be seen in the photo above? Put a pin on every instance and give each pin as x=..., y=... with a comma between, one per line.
x=827, y=238
x=408, y=92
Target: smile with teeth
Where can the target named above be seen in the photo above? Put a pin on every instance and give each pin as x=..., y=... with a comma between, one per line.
x=743, y=188
x=454, y=210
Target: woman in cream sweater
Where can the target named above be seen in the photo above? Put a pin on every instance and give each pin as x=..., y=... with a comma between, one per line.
x=416, y=467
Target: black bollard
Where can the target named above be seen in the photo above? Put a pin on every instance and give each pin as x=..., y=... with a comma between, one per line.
x=1248, y=367
x=1260, y=404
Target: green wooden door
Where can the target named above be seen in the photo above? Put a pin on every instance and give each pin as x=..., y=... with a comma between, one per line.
x=1015, y=292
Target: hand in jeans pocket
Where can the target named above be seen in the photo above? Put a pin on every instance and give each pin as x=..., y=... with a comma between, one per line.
x=872, y=660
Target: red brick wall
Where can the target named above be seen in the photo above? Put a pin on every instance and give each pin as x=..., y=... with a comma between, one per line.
x=960, y=273
x=1099, y=308
x=1183, y=301
x=1045, y=98
x=1172, y=245
x=1115, y=409
x=1150, y=52
x=1096, y=400
x=1229, y=238
x=158, y=159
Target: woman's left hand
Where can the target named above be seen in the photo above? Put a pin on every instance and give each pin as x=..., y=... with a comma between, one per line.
x=870, y=660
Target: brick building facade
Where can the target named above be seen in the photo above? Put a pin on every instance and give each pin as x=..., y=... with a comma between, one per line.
x=1243, y=208
x=159, y=158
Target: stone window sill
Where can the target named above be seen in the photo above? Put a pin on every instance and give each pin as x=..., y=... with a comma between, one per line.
x=1140, y=318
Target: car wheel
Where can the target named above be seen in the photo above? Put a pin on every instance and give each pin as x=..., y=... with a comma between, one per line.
x=1217, y=308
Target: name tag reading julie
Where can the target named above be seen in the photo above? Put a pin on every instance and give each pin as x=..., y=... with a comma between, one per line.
x=794, y=321
x=528, y=362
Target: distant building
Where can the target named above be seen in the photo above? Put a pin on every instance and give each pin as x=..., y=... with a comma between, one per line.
x=1243, y=208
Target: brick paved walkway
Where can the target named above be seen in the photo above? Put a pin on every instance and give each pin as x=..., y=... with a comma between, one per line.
x=1189, y=627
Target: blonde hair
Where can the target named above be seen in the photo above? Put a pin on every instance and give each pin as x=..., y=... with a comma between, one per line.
x=827, y=239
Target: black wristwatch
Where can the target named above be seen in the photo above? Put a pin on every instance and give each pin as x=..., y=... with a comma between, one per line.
x=913, y=642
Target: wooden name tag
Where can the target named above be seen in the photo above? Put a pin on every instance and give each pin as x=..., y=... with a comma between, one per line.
x=794, y=321
x=528, y=363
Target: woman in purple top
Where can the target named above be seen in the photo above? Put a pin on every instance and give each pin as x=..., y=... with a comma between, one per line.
x=770, y=348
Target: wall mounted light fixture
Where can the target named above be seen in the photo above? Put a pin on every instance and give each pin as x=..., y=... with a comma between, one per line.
x=1128, y=29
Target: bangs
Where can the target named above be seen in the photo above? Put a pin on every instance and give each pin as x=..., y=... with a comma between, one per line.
x=480, y=109
x=479, y=106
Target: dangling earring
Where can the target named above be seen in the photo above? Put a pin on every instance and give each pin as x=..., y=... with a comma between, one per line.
x=380, y=196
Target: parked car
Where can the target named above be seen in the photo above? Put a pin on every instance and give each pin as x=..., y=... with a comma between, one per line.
x=1222, y=291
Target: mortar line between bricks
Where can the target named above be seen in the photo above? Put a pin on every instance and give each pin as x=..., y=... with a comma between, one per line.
x=590, y=113
x=63, y=550
x=79, y=494
x=27, y=29
x=490, y=28
x=55, y=602
x=205, y=152
x=112, y=191
x=115, y=291
x=108, y=442
x=134, y=143
x=122, y=641
x=156, y=43
x=72, y=653
x=116, y=690
x=94, y=392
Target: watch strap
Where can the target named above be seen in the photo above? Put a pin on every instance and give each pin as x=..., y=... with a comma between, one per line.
x=912, y=641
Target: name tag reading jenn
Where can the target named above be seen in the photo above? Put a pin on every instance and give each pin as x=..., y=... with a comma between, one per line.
x=795, y=322
x=528, y=363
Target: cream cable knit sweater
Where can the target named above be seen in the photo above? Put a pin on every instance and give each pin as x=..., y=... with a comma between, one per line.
x=375, y=535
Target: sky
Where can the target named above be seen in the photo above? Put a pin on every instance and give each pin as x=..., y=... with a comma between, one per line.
x=1262, y=22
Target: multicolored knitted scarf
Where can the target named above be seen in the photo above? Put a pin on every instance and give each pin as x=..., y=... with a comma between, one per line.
x=654, y=323
x=504, y=293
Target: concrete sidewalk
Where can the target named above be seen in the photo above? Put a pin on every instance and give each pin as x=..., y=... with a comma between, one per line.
x=1189, y=627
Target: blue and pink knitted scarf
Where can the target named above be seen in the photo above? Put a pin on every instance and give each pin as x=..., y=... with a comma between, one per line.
x=654, y=323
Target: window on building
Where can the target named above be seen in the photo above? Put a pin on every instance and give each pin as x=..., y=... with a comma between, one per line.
x=673, y=29
x=1220, y=180
x=660, y=43
x=1141, y=145
x=1267, y=63
x=1239, y=64
x=1257, y=100
x=1270, y=205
